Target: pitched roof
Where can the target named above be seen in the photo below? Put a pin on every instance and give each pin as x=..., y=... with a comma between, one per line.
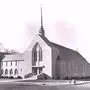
x=54, y=44
x=64, y=52
x=13, y=57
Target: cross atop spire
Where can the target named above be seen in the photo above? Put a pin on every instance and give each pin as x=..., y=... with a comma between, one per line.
x=41, y=31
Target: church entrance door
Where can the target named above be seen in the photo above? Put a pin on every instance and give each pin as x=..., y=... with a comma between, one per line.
x=37, y=70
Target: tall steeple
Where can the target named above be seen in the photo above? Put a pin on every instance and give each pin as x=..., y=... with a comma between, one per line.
x=41, y=31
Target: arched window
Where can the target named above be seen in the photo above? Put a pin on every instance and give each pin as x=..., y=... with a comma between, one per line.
x=6, y=71
x=11, y=71
x=58, y=58
x=40, y=54
x=16, y=72
x=37, y=53
x=2, y=71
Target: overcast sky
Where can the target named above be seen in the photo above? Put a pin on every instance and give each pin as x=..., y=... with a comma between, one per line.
x=66, y=22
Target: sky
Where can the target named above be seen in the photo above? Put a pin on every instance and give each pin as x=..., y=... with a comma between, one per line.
x=66, y=22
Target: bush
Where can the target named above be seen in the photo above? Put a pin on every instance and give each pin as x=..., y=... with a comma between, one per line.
x=66, y=78
x=58, y=77
x=11, y=77
x=4, y=77
x=28, y=75
x=19, y=77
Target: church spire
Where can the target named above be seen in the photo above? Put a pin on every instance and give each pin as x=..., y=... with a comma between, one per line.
x=41, y=31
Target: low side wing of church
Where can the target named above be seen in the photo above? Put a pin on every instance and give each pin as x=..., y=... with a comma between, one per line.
x=43, y=60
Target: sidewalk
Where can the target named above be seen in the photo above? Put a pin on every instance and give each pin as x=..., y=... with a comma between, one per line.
x=41, y=82
x=34, y=82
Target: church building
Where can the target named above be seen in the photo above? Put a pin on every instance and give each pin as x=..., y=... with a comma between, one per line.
x=44, y=59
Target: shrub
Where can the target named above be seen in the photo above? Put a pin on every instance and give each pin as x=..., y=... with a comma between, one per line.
x=66, y=78
x=19, y=77
x=11, y=77
x=58, y=77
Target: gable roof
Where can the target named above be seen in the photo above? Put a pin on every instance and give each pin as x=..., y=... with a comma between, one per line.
x=13, y=57
x=54, y=44
x=64, y=52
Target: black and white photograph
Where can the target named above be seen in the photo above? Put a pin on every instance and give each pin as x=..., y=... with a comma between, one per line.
x=44, y=44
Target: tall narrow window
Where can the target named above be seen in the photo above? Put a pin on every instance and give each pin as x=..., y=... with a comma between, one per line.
x=11, y=71
x=15, y=72
x=16, y=63
x=58, y=58
x=6, y=63
x=1, y=71
x=11, y=63
x=37, y=53
x=6, y=71
x=40, y=54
